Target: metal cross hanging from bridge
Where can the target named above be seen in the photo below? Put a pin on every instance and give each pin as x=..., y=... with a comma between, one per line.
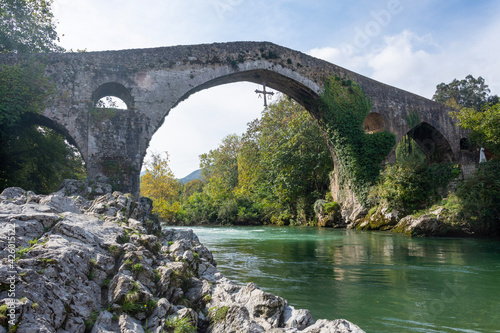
x=264, y=92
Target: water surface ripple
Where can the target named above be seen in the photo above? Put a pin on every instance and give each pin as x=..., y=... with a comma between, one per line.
x=380, y=281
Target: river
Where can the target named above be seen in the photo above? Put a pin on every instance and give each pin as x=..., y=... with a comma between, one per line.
x=380, y=281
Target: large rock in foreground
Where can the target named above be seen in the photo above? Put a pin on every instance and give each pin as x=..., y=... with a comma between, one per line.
x=69, y=264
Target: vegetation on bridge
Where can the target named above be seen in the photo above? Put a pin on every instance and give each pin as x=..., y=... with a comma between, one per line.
x=343, y=110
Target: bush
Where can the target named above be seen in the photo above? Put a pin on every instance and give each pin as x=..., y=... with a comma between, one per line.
x=410, y=187
x=331, y=207
x=199, y=208
x=480, y=198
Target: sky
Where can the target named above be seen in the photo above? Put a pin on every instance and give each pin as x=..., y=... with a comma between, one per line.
x=410, y=44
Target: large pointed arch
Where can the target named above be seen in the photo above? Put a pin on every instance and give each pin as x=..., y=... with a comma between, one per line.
x=433, y=143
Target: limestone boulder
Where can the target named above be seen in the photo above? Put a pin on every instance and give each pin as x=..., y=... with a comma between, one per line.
x=335, y=326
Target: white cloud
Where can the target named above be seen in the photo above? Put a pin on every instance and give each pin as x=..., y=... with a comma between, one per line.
x=400, y=64
x=416, y=64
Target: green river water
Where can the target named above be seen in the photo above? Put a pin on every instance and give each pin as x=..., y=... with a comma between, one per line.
x=380, y=281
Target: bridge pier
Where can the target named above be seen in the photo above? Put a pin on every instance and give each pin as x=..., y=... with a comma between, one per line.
x=116, y=147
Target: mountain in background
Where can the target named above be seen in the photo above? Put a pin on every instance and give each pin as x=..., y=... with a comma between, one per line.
x=193, y=175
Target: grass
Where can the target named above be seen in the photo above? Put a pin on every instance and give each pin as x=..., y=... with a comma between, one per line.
x=89, y=323
x=137, y=268
x=115, y=250
x=48, y=261
x=125, y=238
x=179, y=325
x=157, y=275
x=218, y=314
x=106, y=282
x=21, y=251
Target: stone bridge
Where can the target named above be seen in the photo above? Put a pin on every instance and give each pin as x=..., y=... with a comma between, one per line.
x=153, y=81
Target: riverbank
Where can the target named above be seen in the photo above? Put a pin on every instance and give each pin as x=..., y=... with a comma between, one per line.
x=438, y=221
x=70, y=264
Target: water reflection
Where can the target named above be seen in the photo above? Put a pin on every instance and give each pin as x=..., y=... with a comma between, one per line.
x=382, y=282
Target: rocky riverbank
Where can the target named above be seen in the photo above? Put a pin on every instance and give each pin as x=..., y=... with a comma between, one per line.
x=70, y=263
x=434, y=223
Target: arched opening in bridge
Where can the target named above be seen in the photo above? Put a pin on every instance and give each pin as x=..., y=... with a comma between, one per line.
x=41, y=155
x=408, y=150
x=432, y=143
x=373, y=123
x=241, y=104
x=112, y=95
x=465, y=144
x=235, y=95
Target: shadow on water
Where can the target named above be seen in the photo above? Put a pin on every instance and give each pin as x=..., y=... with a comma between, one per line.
x=380, y=281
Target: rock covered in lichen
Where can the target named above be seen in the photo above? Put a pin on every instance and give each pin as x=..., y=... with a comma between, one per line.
x=105, y=265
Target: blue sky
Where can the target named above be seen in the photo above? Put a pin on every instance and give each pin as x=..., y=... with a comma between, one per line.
x=410, y=44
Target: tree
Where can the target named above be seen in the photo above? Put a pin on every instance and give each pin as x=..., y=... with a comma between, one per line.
x=192, y=187
x=220, y=167
x=483, y=124
x=27, y=26
x=274, y=172
x=249, y=166
x=159, y=184
x=294, y=157
x=38, y=158
x=23, y=90
x=469, y=93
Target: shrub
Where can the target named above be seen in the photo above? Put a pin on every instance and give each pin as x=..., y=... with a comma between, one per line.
x=331, y=207
x=480, y=198
x=410, y=187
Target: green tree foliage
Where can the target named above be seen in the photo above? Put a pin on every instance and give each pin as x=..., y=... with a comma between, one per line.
x=467, y=93
x=343, y=110
x=24, y=166
x=220, y=167
x=484, y=124
x=192, y=187
x=479, y=199
x=294, y=161
x=31, y=156
x=160, y=185
x=27, y=26
x=23, y=90
x=273, y=173
x=413, y=184
x=408, y=151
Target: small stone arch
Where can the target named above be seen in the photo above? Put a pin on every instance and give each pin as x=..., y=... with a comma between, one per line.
x=374, y=123
x=465, y=144
x=116, y=90
x=435, y=146
x=34, y=119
